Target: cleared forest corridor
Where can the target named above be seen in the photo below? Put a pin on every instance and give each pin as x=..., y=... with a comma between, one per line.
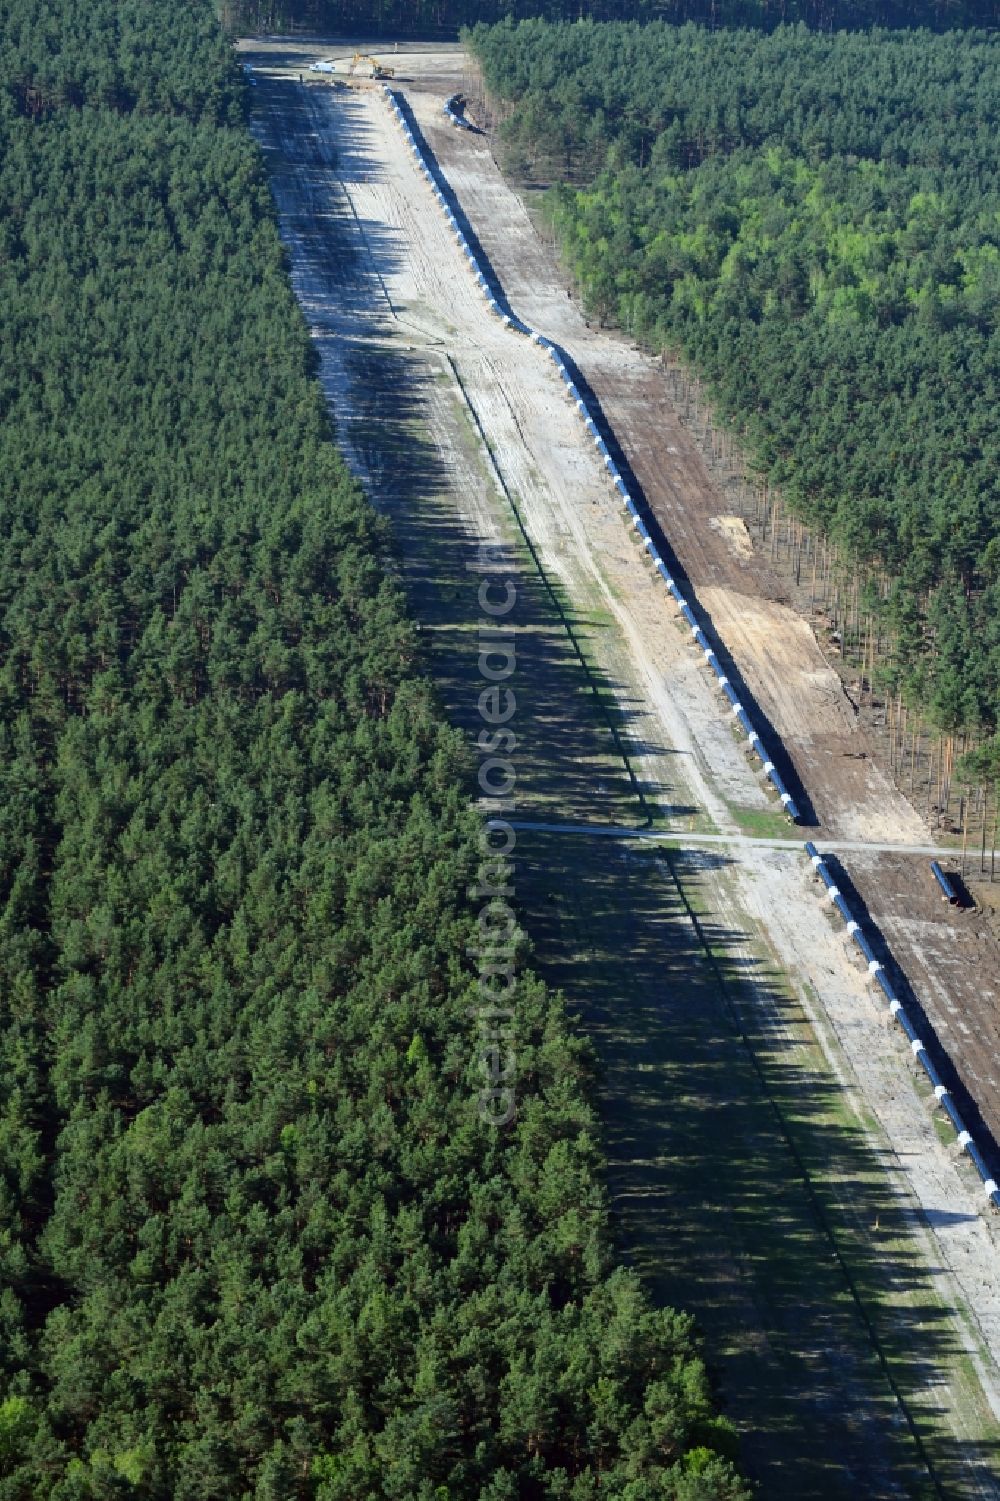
x=750, y=1089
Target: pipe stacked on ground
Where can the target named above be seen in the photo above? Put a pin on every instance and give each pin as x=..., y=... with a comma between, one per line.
x=739, y=713
x=876, y=971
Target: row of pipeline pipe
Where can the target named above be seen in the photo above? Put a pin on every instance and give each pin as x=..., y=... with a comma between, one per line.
x=469, y=255
x=737, y=710
x=876, y=971
x=452, y=116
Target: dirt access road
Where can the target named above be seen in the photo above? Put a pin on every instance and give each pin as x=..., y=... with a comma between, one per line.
x=458, y=428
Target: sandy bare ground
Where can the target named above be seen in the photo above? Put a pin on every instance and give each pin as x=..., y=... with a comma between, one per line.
x=772, y=646
x=774, y=650
x=410, y=291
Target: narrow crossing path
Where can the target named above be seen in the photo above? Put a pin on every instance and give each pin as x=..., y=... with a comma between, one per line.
x=737, y=841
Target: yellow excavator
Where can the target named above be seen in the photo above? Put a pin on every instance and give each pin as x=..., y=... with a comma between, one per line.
x=360, y=66
x=363, y=63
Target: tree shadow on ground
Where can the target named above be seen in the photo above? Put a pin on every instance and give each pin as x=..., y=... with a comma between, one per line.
x=742, y=1187
x=578, y=732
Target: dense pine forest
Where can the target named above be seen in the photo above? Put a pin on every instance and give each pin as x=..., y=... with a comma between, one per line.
x=814, y=223
x=255, y=1239
x=443, y=17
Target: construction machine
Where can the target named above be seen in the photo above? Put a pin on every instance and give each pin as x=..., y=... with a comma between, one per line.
x=360, y=66
x=370, y=67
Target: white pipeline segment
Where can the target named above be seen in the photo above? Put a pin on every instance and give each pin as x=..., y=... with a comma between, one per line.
x=430, y=170
x=876, y=971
